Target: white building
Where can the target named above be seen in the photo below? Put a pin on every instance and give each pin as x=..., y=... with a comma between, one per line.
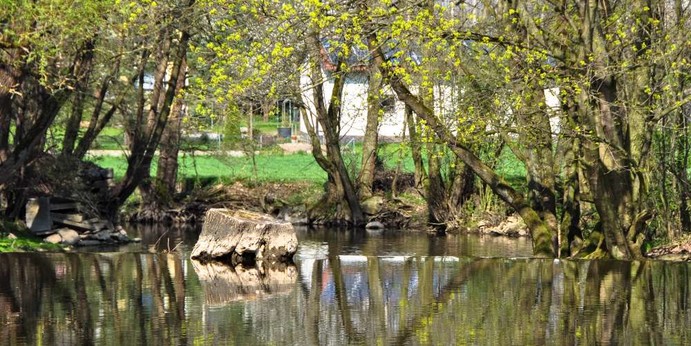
x=392, y=125
x=354, y=107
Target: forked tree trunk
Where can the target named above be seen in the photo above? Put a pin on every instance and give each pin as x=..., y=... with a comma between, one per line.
x=78, y=100
x=99, y=121
x=371, y=139
x=146, y=129
x=330, y=121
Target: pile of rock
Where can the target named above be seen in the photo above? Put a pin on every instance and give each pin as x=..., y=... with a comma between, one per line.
x=63, y=221
x=511, y=226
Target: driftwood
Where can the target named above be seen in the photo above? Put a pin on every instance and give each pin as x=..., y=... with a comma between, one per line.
x=244, y=237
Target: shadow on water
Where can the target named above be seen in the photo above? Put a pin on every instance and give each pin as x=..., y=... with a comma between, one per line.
x=345, y=288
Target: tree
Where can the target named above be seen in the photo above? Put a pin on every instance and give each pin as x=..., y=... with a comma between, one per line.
x=146, y=123
x=340, y=186
x=44, y=58
x=606, y=62
x=370, y=140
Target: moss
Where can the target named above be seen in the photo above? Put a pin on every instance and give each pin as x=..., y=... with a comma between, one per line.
x=15, y=237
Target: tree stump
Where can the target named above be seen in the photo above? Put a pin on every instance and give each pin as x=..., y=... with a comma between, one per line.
x=243, y=236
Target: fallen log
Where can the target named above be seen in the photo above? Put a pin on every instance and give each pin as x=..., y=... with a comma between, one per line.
x=244, y=237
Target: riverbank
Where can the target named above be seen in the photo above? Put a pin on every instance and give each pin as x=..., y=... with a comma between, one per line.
x=15, y=237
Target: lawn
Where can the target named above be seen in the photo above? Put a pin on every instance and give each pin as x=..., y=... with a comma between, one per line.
x=274, y=166
x=270, y=167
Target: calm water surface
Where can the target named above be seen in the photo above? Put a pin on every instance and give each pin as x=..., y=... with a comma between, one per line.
x=345, y=288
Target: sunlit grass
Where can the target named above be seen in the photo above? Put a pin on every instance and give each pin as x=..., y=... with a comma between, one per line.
x=270, y=167
x=274, y=166
x=22, y=239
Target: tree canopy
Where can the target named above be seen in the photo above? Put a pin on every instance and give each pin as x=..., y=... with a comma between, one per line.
x=614, y=144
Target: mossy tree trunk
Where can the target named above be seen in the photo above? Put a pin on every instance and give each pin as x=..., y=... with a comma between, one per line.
x=541, y=231
x=339, y=188
x=371, y=139
x=415, y=148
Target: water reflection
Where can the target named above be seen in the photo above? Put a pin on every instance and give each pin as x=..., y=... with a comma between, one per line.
x=340, y=299
x=223, y=283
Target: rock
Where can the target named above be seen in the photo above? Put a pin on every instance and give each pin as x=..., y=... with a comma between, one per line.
x=89, y=242
x=37, y=215
x=374, y=225
x=102, y=235
x=294, y=216
x=53, y=239
x=11, y=236
x=242, y=235
x=69, y=236
x=121, y=236
x=512, y=226
x=483, y=224
x=372, y=205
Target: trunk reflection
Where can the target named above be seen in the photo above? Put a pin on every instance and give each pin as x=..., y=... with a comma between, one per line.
x=353, y=299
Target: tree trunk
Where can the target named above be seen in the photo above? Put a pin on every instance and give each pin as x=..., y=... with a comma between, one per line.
x=415, y=149
x=540, y=231
x=536, y=153
x=267, y=106
x=571, y=235
x=147, y=131
x=437, y=207
x=84, y=70
x=462, y=186
x=97, y=122
x=167, y=172
x=371, y=139
x=330, y=121
x=7, y=83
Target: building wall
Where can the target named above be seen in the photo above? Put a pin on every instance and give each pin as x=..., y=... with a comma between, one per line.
x=354, y=108
x=392, y=125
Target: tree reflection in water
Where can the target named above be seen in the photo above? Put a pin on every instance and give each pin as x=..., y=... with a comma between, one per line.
x=349, y=299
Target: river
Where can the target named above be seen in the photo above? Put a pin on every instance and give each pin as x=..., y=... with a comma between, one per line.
x=345, y=289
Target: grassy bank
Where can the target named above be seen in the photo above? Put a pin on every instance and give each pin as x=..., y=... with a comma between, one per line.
x=22, y=244
x=16, y=238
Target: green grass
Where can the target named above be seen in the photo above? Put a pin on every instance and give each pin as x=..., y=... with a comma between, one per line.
x=273, y=166
x=22, y=244
x=266, y=127
x=511, y=168
x=24, y=240
x=270, y=167
x=111, y=138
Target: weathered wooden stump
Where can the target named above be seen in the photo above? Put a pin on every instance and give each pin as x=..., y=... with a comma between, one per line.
x=244, y=236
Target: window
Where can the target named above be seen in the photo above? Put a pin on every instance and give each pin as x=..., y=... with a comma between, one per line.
x=388, y=104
